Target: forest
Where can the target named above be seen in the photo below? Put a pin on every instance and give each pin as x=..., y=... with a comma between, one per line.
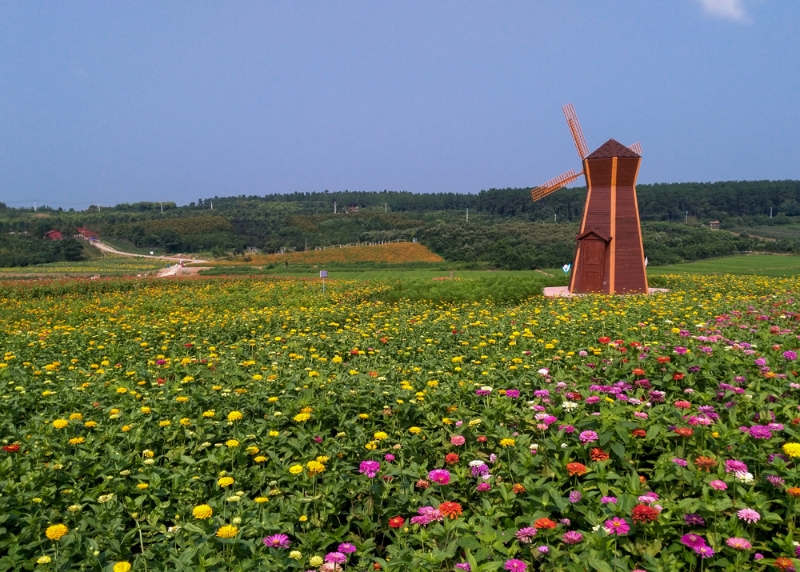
x=499, y=227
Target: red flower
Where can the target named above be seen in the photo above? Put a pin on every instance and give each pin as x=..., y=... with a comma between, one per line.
x=544, y=523
x=481, y=438
x=663, y=359
x=397, y=522
x=598, y=454
x=376, y=566
x=10, y=448
x=451, y=458
x=638, y=371
x=188, y=345
x=638, y=432
x=682, y=404
x=451, y=509
x=677, y=376
x=354, y=352
x=684, y=432
x=574, y=396
x=643, y=513
x=384, y=340
x=604, y=340
x=518, y=489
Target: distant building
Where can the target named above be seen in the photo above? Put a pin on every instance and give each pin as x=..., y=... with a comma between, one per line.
x=714, y=224
x=253, y=250
x=86, y=233
x=52, y=235
x=352, y=208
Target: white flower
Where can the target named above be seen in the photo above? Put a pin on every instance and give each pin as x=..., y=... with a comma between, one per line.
x=476, y=463
x=486, y=388
x=569, y=405
x=743, y=476
x=533, y=446
x=564, y=445
x=543, y=371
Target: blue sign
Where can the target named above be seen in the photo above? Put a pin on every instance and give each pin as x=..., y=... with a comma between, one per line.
x=323, y=273
x=566, y=268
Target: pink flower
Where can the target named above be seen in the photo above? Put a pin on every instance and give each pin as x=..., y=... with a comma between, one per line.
x=457, y=440
x=738, y=543
x=439, y=476
x=515, y=565
x=587, y=437
x=748, y=515
x=718, y=485
x=618, y=526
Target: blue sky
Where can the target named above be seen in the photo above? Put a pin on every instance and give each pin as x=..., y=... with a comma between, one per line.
x=108, y=102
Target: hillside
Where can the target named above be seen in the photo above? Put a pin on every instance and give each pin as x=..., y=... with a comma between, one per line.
x=505, y=228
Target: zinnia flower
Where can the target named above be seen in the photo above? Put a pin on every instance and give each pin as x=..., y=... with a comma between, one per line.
x=277, y=541
x=227, y=531
x=56, y=531
x=451, y=510
x=748, y=515
x=439, y=476
x=618, y=526
x=202, y=512
x=738, y=543
x=526, y=534
x=515, y=565
x=572, y=537
x=369, y=468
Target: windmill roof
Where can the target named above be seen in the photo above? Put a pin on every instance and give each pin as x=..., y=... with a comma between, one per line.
x=612, y=148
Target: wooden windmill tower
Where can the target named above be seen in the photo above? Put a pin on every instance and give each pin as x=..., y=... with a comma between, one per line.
x=609, y=257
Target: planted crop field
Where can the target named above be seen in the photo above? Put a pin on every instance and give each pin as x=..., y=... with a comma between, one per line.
x=391, y=253
x=251, y=424
x=755, y=264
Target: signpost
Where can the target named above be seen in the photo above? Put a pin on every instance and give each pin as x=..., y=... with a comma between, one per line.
x=323, y=274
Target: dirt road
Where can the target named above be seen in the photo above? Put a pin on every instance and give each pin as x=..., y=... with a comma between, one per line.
x=111, y=250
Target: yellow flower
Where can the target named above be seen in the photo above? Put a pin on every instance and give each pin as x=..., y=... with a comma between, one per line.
x=126, y=428
x=380, y=436
x=148, y=454
x=306, y=410
x=235, y=416
x=296, y=469
x=415, y=430
x=323, y=459
x=91, y=424
x=272, y=399
x=507, y=442
x=258, y=377
x=60, y=423
x=165, y=423
x=225, y=481
x=227, y=531
x=295, y=555
x=122, y=567
x=114, y=411
x=316, y=561
x=252, y=449
x=315, y=467
x=231, y=443
x=715, y=434
x=44, y=560
x=181, y=399
x=337, y=359
x=142, y=486
x=209, y=413
x=77, y=440
x=56, y=531
x=363, y=416
x=273, y=433
x=303, y=518
x=792, y=449
x=261, y=500
x=371, y=446
x=185, y=421
x=75, y=416
x=300, y=417
x=122, y=390
x=202, y=512
x=145, y=410
x=260, y=459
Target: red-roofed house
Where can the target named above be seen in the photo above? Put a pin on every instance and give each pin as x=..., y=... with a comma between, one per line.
x=52, y=235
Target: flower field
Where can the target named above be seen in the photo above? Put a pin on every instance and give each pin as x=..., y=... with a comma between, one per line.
x=241, y=424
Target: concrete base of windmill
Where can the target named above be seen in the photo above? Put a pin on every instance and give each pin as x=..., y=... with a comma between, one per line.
x=563, y=291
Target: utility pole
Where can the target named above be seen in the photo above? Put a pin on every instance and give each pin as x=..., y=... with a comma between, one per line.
x=686, y=221
x=770, y=212
x=306, y=245
x=34, y=206
x=385, y=207
x=467, y=214
x=212, y=205
x=162, y=207
x=334, y=207
x=555, y=217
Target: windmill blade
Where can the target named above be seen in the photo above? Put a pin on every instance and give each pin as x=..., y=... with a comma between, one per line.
x=636, y=148
x=553, y=185
x=575, y=129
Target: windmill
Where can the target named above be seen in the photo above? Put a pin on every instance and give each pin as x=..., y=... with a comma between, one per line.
x=609, y=257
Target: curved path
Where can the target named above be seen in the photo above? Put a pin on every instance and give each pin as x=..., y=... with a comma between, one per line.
x=111, y=250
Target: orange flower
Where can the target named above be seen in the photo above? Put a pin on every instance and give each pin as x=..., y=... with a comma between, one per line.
x=663, y=359
x=684, y=432
x=638, y=371
x=793, y=492
x=518, y=488
x=451, y=510
x=705, y=463
x=544, y=523
x=638, y=432
x=783, y=563
x=576, y=469
x=598, y=454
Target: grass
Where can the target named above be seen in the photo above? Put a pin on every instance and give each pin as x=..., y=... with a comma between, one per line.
x=106, y=266
x=127, y=246
x=392, y=253
x=771, y=231
x=756, y=264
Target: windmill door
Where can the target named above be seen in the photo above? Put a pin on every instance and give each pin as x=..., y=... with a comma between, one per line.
x=592, y=264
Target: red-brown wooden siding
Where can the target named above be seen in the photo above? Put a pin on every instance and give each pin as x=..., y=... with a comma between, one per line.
x=629, y=263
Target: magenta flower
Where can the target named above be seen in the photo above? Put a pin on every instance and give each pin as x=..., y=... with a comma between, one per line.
x=734, y=466
x=484, y=486
x=704, y=551
x=277, y=541
x=515, y=565
x=738, y=543
x=346, y=548
x=748, y=515
x=575, y=496
x=439, y=476
x=618, y=526
x=608, y=500
x=587, y=437
x=335, y=557
x=512, y=393
x=369, y=468
x=572, y=537
x=426, y=515
x=692, y=540
x=790, y=355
